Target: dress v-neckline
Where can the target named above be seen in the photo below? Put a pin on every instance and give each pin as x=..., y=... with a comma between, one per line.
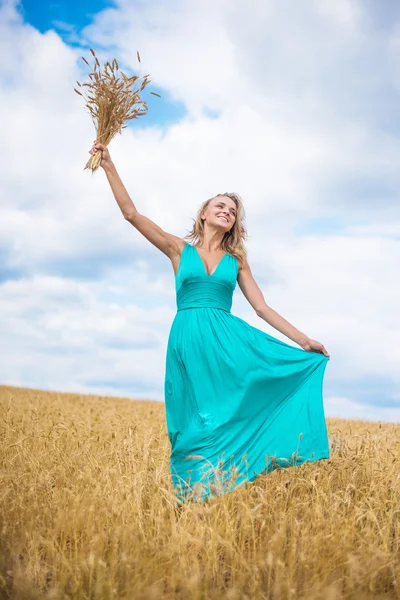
x=204, y=267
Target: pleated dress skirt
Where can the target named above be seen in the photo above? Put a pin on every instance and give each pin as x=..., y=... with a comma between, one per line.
x=238, y=401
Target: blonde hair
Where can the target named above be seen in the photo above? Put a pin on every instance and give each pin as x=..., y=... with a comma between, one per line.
x=233, y=240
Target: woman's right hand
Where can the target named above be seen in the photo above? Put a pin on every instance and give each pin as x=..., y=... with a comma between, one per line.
x=105, y=155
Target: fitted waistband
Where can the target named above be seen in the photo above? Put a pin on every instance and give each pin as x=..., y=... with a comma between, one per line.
x=204, y=294
x=205, y=306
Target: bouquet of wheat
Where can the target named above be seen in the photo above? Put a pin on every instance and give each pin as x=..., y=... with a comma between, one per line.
x=111, y=102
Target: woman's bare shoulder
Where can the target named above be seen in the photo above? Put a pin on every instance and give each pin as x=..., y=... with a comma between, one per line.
x=179, y=243
x=175, y=257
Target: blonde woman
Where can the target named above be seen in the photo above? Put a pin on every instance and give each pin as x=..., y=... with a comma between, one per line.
x=239, y=402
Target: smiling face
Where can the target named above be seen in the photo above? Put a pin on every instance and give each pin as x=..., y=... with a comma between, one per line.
x=221, y=213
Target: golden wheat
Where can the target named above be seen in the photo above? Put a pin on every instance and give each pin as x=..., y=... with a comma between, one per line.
x=87, y=510
x=111, y=101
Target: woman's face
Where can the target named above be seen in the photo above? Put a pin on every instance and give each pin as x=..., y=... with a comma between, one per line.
x=221, y=213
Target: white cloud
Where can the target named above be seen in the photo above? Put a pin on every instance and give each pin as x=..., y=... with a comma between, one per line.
x=298, y=93
x=61, y=334
x=344, y=408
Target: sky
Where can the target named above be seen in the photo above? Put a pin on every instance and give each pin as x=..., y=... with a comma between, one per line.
x=295, y=106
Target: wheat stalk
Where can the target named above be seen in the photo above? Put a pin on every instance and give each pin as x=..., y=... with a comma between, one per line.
x=112, y=101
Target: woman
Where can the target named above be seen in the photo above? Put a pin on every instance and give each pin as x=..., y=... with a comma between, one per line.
x=239, y=402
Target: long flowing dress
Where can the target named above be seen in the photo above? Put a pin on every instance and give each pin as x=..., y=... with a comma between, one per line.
x=238, y=401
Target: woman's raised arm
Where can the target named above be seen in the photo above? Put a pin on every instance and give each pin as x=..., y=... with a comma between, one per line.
x=169, y=244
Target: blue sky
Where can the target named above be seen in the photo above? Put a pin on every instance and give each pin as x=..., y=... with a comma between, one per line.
x=61, y=16
x=296, y=107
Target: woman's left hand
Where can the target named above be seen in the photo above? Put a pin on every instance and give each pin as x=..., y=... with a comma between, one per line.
x=314, y=346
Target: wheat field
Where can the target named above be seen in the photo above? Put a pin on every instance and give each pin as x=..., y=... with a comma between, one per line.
x=88, y=511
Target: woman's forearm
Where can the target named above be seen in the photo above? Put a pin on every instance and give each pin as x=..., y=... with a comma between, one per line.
x=275, y=320
x=122, y=197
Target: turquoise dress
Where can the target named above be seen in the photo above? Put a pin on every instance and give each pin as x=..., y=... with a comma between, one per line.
x=238, y=401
